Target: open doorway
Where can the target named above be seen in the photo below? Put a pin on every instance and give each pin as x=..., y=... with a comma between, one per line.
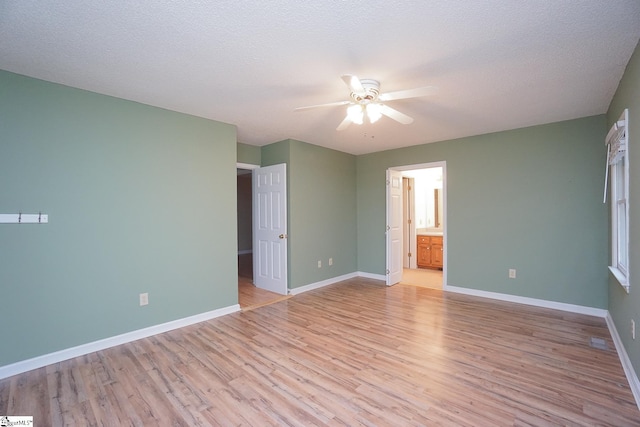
x=245, y=226
x=249, y=295
x=424, y=226
x=247, y=292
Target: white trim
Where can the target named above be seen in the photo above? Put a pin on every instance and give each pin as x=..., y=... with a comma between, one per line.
x=621, y=278
x=245, y=252
x=372, y=276
x=69, y=353
x=312, y=286
x=630, y=373
x=246, y=166
x=580, y=309
x=323, y=283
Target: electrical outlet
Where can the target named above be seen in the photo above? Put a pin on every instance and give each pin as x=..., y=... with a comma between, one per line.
x=330, y=261
x=319, y=264
x=512, y=273
x=144, y=299
x=633, y=329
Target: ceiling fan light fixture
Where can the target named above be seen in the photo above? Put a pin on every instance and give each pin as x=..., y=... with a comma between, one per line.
x=366, y=98
x=356, y=114
x=374, y=112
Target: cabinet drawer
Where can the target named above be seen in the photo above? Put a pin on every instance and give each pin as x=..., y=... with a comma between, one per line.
x=429, y=239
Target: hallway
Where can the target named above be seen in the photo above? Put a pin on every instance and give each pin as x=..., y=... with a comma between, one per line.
x=423, y=277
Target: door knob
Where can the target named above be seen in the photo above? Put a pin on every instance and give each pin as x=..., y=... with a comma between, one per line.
x=283, y=236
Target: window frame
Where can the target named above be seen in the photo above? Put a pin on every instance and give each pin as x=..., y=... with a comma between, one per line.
x=620, y=208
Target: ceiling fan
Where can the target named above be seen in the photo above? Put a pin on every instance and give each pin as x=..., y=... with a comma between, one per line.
x=366, y=100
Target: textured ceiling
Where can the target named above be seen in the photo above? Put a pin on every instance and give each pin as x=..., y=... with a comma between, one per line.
x=497, y=64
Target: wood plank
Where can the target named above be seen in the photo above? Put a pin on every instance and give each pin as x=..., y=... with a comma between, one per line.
x=354, y=353
x=251, y=297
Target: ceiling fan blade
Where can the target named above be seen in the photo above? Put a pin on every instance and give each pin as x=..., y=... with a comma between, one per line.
x=330, y=104
x=396, y=115
x=409, y=93
x=344, y=124
x=354, y=84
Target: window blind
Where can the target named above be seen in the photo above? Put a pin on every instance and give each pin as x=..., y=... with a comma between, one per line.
x=616, y=142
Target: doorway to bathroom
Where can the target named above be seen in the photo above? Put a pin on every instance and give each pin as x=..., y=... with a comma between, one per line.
x=416, y=218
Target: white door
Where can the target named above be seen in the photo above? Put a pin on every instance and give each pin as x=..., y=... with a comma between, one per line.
x=394, y=227
x=270, y=228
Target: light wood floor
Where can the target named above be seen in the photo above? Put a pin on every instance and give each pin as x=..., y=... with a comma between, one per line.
x=250, y=296
x=424, y=277
x=353, y=353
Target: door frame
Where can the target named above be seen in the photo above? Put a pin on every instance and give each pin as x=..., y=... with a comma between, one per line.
x=409, y=233
x=443, y=165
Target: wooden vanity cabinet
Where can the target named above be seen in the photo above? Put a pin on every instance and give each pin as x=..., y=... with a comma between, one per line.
x=429, y=251
x=424, y=251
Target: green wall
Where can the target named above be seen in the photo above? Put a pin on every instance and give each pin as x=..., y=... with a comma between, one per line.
x=139, y=199
x=321, y=188
x=248, y=154
x=529, y=199
x=625, y=306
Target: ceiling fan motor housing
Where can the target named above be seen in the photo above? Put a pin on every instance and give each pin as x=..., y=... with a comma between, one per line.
x=370, y=94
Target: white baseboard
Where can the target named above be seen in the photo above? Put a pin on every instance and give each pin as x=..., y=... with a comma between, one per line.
x=580, y=309
x=245, y=251
x=630, y=373
x=69, y=353
x=372, y=276
x=312, y=286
